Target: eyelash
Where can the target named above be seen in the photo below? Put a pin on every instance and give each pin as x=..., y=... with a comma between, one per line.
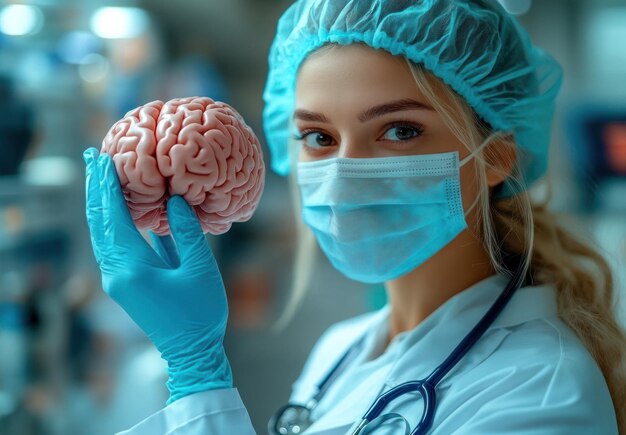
x=417, y=128
x=305, y=133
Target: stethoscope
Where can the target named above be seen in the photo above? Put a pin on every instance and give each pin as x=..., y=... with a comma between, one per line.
x=294, y=419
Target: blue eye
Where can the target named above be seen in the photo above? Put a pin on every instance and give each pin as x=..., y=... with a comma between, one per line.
x=402, y=132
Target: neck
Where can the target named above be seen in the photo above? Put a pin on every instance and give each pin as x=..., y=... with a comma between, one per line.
x=416, y=295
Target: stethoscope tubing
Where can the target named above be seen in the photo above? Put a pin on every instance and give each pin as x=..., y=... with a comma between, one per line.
x=426, y=387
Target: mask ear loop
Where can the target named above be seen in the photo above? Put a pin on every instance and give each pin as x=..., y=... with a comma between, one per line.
x=473, y=154
x=482, y=146
x=471, y=207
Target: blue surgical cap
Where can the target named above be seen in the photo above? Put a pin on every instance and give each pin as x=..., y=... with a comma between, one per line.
x=474, y=46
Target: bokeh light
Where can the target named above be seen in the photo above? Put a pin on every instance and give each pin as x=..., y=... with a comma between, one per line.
x=20, y=20
x=119, y=22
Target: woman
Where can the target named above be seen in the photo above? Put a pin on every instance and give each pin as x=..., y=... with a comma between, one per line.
x=419, y=125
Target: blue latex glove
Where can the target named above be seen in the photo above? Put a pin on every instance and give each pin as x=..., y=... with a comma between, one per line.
x=174, y=292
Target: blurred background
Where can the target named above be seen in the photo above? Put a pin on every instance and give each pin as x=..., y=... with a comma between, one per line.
x=71, y=362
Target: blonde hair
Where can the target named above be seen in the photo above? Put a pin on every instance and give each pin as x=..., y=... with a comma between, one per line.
x=518, y=227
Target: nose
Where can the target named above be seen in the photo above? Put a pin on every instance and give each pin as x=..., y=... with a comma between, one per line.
x=354, y=149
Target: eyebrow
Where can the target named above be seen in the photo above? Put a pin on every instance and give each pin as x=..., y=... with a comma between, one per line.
x=366, y=115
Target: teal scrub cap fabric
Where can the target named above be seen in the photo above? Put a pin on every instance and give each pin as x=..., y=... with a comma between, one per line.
x=474, y=46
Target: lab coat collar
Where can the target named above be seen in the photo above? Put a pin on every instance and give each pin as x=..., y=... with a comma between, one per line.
x=440, y=333
x=527, y=303
x=416, y=353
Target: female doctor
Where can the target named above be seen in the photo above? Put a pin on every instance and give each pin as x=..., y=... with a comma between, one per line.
x=413, y=130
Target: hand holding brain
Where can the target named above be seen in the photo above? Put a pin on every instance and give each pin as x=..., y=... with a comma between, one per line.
x=194, y=147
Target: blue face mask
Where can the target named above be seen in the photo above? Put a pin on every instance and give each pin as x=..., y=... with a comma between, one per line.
x=377, y=219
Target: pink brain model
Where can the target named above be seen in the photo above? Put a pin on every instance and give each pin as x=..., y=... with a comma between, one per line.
x=194, y=147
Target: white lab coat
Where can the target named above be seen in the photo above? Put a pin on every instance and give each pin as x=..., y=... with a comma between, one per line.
x=528, y=374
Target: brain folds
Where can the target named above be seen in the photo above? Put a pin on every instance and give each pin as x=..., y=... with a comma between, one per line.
x=195, y=147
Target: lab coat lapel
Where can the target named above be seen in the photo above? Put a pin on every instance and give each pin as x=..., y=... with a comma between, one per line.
x=421, y=350
x=353, y=405
x=427, y=346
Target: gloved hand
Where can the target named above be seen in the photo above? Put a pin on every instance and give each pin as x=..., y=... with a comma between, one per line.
x=175, y=294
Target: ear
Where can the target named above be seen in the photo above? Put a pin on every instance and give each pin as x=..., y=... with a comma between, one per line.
x=501, y=157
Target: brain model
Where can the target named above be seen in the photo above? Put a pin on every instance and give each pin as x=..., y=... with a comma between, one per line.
x=194, y=147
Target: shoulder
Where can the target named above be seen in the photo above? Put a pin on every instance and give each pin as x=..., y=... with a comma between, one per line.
x=541, y=375
x=535, y=342
x=550, y=348
x=331, y=345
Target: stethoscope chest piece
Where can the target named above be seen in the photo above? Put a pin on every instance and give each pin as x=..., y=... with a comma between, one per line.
x=290, y=419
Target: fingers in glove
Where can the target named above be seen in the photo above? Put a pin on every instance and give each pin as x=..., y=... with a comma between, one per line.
x=166, y=248
x=94, y=201
x=192, y=245
x=121, y=236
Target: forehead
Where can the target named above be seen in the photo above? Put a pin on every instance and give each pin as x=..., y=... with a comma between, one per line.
x=354, y=72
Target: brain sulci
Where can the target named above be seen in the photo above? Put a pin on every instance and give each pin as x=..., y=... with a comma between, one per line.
x=195, y=147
